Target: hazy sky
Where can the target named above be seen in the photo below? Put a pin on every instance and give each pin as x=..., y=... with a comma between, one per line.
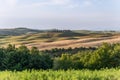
x=62, y=14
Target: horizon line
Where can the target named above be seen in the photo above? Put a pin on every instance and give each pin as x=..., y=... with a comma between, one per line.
x=60, y=29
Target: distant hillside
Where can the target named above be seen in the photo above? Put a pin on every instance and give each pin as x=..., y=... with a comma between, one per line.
x=17, y=31
x=94, y=32
x=22, y=31
x=48, y=39
x=62, y=33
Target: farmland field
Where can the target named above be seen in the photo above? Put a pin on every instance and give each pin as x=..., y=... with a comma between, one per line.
x=52, y=39
x=106, y=74
x=62, y=55
x=59, y=39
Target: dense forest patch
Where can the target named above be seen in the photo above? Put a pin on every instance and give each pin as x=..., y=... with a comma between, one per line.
x=21, y=58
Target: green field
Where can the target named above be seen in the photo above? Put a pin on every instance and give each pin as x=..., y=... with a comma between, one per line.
x=106, y=74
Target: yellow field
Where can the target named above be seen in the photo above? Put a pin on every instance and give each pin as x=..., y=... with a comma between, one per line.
x=53, y=41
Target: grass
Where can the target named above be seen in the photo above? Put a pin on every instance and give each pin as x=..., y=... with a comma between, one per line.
x=106, y=74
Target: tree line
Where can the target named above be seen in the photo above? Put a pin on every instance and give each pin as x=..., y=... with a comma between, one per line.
x=12, y=58
x=106, y=56
x=57, y=52
x=22, y=58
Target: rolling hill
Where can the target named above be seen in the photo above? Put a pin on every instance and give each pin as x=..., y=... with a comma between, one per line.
x=17, y=31
x=48, y=39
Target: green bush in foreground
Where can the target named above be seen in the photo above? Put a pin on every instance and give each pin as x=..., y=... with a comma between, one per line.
x=22, y=58
x=12, y=58
x=106, y=56
x=107, y=74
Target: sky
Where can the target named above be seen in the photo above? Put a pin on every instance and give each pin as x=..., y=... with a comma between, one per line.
x=61, y=14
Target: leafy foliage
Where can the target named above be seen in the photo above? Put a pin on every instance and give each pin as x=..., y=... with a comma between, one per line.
x=106, y=56
x=21, y=58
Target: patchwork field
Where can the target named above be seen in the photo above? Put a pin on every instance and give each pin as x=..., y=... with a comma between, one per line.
x=84, y=42
x=57, y=38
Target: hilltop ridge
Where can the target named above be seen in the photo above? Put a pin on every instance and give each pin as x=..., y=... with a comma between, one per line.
x=17, y=31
